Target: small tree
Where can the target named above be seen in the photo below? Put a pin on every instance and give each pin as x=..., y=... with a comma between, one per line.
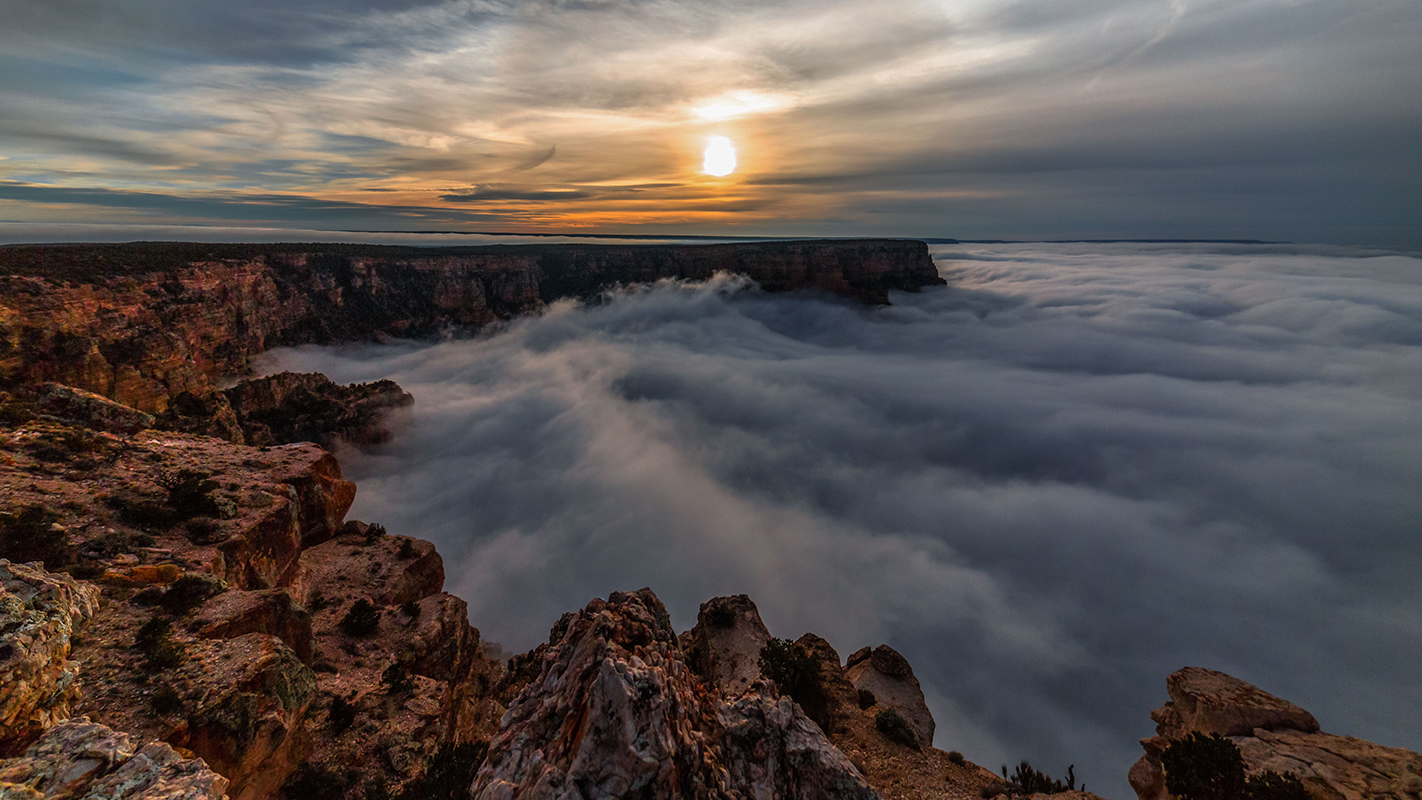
x=362, y=620
x=1201, y=767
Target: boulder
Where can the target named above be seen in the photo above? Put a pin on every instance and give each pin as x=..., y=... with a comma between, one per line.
x=90, y=410
x=888, y=675
x=1272, y=734
x=39, y=613
x=273, y=612
x=419, y=573
x=838, y=700
x=309, y=407
x=616, y=712
x=248, y=704
x=80, y=758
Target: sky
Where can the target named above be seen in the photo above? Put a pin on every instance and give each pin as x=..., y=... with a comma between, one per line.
x=1287, y=120
x=1068, y=473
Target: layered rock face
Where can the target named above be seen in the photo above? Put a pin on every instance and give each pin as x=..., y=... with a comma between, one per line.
x=40, y=612
x=1272, y=734
x=80, y=758
x=143, y=323
x=214, y=635
x=614, y=711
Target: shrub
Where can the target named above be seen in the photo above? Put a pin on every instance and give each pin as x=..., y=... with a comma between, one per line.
x=310, y=782
x=343, y=714
x=141, y=511
x=867, y=699
x=448, y=773
x=1028, y=780
x=190, y=493
x=397, y=679
x=797, y=674
x=411, y=610
x=203, y=530
x=29, y=534
x=407, y=549
x=188, y=592
x=361, y=620
x=155, y=642
x=1201, y=767
x=895, y=728
x=956, y=757
x=166, y=701
x=374, y=533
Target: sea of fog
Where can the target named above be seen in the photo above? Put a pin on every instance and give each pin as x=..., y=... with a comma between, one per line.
x=1049, y=484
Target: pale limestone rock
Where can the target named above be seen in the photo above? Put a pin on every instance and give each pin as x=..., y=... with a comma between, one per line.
x=888, y=675
x=724, y=647
x=87, y=761
x=39, y=612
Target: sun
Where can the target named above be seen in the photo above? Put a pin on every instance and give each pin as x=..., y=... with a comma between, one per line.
x=720, y=157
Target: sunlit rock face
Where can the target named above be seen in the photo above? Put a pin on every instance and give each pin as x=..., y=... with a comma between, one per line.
x=40, y=612
x=1272, y=734
x=614, y=711
x=144, y=323
x=80, y=758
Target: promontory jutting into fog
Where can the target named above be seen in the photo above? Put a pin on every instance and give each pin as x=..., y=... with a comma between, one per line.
x=1048, y=484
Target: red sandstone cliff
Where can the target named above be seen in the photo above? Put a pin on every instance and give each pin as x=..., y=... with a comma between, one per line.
x=142, y=323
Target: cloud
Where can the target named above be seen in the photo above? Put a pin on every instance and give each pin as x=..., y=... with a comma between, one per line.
x=1072, y=471
x=1139, y=117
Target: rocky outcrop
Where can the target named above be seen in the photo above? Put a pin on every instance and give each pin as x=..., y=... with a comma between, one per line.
x=144, y=323
x=304, y=407
x=89, y=410
x=888, y=676
x=615, y=712
x=272, y=612
x=80, y=758
x=1272, y=734
x=40, y=612
x=724, y=647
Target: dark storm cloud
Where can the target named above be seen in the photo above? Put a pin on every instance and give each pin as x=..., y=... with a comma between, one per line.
x=1070, y=472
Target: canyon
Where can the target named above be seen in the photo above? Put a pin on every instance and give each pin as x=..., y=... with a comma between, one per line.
x=187, y=611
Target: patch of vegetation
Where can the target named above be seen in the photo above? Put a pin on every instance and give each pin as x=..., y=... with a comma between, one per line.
x=166, y=701
x=140, y=510
x=1201, y=767
x=155, y=642
x=895, y=728
x=956, y=757
x=411, y=610
x=190, y=493
x=310, y=782
x=203, y=530
x=374, y=533
x=1028, y=780
x=188, y=592
x=797, y=674
x=29, y=534
x=343, y=714
x=867, y=699
x=407, y=550
x=362, y=620
x=397, y=679
x=75, y=446
x=448, y=774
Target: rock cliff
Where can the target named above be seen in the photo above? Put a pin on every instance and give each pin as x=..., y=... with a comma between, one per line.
x=144, y=323
x=1272, y=734
x=80, y=758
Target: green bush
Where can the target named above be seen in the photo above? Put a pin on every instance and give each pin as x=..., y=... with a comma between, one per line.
x=797, y=674
x=956, y=757
x=1200, y=767
x=895, y=728
x=1026, y=779
x=397, y=679
x=343, y=714
x=721, y=617
x=166, y=701
x=362, y=620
